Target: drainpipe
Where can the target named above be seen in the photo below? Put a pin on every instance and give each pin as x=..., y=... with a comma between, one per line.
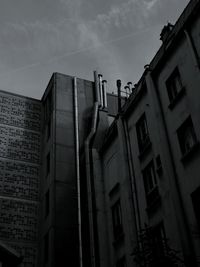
x=132, y=175
x=88, y=175
x=78, y=168
x=133, y=185
x=192, y=49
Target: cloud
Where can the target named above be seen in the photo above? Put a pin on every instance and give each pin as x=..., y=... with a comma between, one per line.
x=133, y=13
x=71, y=7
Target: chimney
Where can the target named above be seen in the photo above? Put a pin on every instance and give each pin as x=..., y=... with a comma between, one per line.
x=126, y=90
x=97, y=97
x=165, y=33
x=129, y=85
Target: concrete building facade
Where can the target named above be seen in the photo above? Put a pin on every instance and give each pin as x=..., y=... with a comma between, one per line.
x=20, y=153
x=95, y=179
x=148, y=211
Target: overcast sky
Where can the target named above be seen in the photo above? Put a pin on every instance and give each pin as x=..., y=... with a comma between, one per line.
x=75, y=37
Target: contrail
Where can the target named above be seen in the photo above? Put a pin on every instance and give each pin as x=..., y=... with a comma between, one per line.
x=53, y=59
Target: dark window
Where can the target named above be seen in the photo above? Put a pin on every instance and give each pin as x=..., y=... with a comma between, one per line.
x=117, y=219
x=46, y=247
x=47, y=204
x=158, y=165
x=47, y=164
x=142, y=133
x=158, y=161
x=121, y=262
x=48, y=129
x=150, y=183
x=196, y=204
x=174, y=85
x=186, y=136
x=157, y=241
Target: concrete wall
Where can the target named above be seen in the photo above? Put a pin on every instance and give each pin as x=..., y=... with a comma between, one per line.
x=62, y=221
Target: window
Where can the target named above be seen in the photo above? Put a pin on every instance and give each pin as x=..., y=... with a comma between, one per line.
x=159, y=165
x=46, y=247
x=142, y=133
x=47, y=204
x=186, y=136
x=48, y=129
x=174, y=85
x=158, y=161
x=150, y=183
x=157, y=241
x=48, y=164
x=117, y=220
x=196, y=203
x=121, y=262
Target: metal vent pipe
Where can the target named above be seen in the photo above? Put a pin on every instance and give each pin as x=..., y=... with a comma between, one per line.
x=100, y=89
x=76, y=123
x=119, y=83
x=96, y=82
x=104, y=87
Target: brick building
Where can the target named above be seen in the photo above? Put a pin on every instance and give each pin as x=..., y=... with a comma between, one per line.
x=90, y=178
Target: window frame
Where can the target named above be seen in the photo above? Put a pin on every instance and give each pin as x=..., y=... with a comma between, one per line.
x=117, y=222
x=186, y=133
x=175, y=88
x=142, y=133
x=150, y=184
x=195, y=198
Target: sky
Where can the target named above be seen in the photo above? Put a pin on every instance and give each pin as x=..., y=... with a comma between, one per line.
x=115, y=37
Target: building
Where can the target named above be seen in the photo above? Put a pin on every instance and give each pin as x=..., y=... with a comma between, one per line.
x=90, y=178
x=146, y=173
x=40, y=208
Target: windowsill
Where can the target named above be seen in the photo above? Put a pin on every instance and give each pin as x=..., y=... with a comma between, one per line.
x=188, y=155
x=118, y=239
x=146, y=148
x=178, y=97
